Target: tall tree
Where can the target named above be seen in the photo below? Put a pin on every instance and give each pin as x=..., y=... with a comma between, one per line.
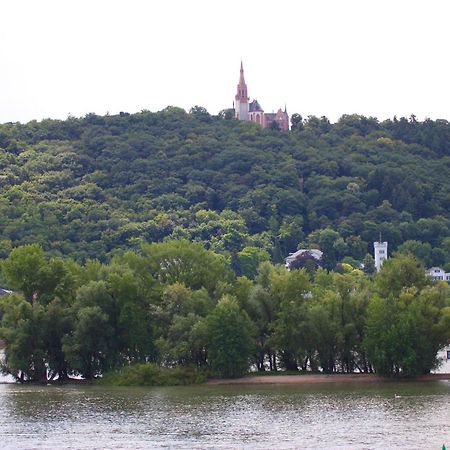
x=230, y=342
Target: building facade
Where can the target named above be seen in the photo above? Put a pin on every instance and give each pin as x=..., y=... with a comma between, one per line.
x=438, y=274
x=380, y=253
x=253, y=112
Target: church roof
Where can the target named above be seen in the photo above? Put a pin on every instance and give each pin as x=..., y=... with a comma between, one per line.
x=254, y=106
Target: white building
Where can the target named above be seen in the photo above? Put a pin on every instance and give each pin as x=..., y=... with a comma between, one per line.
x=380, y=253
x=438, y=274
x=444, y=356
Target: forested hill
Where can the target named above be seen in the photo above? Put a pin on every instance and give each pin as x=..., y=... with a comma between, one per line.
x=89, y=187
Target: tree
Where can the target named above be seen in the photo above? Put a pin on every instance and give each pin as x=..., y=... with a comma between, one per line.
x=296, y=122
x=261, y=309
x=403, y=334
x=28, y=270
x=57, y=323
x=229, y=339
x=331, y=244
x=290, y=327
x=87, y=348
x=23, y=270
x=249, y=259
x=421, y=251
x=398, y=273
x=188, y=263
x=369, y=264
x=21, y=329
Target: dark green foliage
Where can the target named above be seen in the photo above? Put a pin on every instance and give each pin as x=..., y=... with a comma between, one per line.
x=229, y=339
x=86, y=348
x=88, y=187
x=172, y=205
x=21, y=330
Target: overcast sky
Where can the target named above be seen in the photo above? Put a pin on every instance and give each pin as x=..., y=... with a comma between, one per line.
x=323, y=57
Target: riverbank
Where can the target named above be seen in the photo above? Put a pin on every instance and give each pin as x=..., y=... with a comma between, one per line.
x=318, y=378
x=322, y=378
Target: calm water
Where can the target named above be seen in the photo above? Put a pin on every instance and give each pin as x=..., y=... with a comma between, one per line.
x=227, y=417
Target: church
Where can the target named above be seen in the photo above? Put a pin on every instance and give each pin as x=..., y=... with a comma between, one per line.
x=252, y=112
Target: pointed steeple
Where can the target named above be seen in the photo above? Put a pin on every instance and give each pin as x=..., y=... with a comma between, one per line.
x=241, y=77
x=241, y=97
x=241, y=93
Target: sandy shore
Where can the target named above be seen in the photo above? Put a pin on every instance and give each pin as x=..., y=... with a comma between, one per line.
x=319, y=378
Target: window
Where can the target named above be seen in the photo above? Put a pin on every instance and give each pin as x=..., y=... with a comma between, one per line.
x=381, y=252
x=448, y=354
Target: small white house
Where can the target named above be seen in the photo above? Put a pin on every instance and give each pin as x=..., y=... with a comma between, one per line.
x=444, y=356
x=438, y=274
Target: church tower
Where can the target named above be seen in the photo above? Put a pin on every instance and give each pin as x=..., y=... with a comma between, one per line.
x=241, y=98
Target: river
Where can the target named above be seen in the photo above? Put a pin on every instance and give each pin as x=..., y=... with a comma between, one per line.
x=374, y=416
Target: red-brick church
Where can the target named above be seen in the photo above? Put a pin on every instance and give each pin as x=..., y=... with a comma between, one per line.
x=252, y=112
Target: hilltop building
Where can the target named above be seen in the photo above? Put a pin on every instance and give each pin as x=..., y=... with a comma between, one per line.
x=253, y=112
x=380, y=253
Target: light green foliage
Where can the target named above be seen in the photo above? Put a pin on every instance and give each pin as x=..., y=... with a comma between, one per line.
x=188, y=263
x=24, y=270
x=28, y=270
x=408, y=323
x=249, y=259
x=398, y=273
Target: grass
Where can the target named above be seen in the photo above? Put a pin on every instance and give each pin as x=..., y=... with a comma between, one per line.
x=153, y=375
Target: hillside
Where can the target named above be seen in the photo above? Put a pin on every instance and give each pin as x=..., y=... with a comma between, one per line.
x=89, y=187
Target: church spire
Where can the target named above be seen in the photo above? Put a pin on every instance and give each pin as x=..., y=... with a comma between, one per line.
x=241, y=93
x=241, y=97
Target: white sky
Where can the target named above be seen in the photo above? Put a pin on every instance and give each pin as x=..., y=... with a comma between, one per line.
x=323, y=57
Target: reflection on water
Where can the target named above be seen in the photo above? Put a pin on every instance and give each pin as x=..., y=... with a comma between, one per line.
x=379, y=416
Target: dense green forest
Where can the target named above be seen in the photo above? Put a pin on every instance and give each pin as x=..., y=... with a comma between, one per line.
x=93, y=187
x=177, y=305
x=158, y=237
